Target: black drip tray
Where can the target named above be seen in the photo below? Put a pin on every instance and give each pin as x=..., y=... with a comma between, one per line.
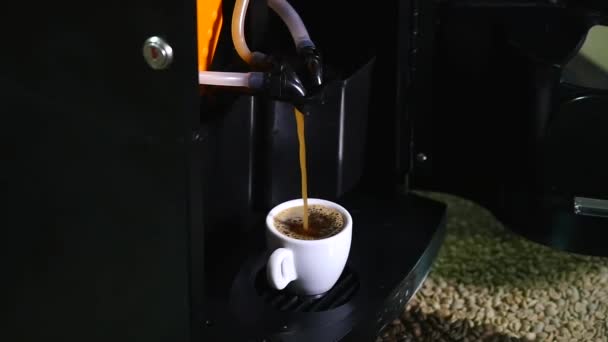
x=394, y=243
x=342, y=292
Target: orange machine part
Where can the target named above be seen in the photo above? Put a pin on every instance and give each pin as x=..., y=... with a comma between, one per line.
x=209, y=22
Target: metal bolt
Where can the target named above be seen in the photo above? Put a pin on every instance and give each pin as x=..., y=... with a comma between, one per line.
x=421, y=157
x=158, y=53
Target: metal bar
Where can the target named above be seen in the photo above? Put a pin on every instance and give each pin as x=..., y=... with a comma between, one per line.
x=590, y=207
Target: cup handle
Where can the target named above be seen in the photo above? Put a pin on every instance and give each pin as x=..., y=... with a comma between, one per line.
x=280, y=269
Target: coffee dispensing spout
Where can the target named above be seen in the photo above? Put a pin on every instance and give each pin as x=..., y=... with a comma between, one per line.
x=314, y=67
x=283, y=83
x=310, y=68
x=305, y=47
x=300, y=85
x=303, y=43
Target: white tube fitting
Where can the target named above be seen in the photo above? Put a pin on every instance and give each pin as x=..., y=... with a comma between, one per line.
x=230, y=79
x=293, y=21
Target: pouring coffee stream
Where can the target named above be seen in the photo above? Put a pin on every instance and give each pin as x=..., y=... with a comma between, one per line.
x=304, y=179
x=275, y=77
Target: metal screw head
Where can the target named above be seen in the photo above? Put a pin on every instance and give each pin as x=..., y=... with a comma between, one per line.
x=157, y=53
x=421, y=157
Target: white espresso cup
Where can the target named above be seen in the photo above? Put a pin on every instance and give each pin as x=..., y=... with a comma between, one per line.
x=308, y=267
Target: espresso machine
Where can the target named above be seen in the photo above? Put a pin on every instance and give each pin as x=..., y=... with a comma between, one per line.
x=335, y=75
x=148, y=140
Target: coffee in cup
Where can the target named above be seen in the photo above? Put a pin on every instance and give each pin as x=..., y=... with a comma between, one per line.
x=323, y=222
x=307, y=261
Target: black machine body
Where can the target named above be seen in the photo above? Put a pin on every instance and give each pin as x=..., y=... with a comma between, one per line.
x=138, y=205
x=511, y=128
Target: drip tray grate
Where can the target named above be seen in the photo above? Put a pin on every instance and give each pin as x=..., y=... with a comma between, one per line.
x=344, y=290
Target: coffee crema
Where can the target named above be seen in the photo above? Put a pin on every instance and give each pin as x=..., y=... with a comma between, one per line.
x=323, y=222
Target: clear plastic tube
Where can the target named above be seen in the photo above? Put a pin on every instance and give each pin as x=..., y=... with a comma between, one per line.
x=230, y=79
x=238, y=30
x=287, y=14
x=293, y=21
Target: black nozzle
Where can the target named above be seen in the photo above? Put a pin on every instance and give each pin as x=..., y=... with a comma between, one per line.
x=302, y=86
x=283, y=84
x=313, y=64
